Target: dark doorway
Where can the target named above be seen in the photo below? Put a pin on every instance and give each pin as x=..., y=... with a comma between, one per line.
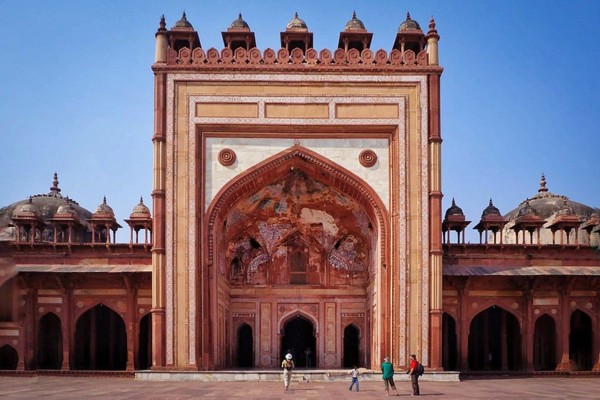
x=100, y=340
x=351, y=346
x=145, y=343
x=449, y=343
x=544, y=344
x=9, y=358
x=50, y=345
x=245, y=347
x=298, y=335
x=494, y=341
x=580, y=341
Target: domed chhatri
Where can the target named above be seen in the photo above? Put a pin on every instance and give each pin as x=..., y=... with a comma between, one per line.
x=183, y=23
x=454, y=210
x=354, y=24
x=27, y=210
x=140, y=210
x=239, y=24
x=409, y=24
x=296, y=24
x=490, y=210
x=104, y=208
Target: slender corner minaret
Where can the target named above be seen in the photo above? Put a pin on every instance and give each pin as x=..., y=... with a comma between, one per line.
x=432, y=43
x=160, y=54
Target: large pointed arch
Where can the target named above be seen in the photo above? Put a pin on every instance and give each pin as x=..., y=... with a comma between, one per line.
x=315, y=167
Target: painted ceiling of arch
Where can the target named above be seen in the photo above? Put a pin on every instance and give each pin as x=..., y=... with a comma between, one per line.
x=297, y=230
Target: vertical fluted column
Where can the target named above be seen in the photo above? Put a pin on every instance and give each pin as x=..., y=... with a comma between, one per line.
x=435, y=223
x=158, y=217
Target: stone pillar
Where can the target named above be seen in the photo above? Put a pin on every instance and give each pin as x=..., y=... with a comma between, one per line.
x=528, y=331
x=464, y=328
x=564, y=364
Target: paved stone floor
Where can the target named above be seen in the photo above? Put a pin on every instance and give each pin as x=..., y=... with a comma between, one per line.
x=59, y=387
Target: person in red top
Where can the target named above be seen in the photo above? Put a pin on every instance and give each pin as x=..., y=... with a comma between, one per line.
x=414, y=374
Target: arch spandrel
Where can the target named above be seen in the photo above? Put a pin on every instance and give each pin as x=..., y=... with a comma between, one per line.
x=313, y=165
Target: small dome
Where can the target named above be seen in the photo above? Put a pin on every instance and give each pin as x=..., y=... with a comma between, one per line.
x=140, y=210
x=527, y=209
x=490, y=210
x=239, y=24
x=104, y=208
x=454, y=210
x=66, y=209
x=354, y=24
x=296, y=24
x=27, y=210
x=409, y=24
x=183, y=23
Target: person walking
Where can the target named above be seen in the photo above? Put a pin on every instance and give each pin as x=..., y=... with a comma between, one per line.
x=413, y=370
x=287, y=364
x=387, y=374
x=355, y=374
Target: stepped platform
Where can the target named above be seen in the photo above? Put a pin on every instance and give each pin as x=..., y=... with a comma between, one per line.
x=299, y=375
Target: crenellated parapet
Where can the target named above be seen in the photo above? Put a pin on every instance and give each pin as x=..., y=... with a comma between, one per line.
x=282, y=58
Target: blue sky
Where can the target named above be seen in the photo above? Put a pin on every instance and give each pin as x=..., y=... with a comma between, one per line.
x=518, y=91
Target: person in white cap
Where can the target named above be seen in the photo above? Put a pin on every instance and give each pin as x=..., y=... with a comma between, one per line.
x=287, y=364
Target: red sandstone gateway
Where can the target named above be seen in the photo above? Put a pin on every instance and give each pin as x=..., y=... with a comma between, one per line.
x=297, y=204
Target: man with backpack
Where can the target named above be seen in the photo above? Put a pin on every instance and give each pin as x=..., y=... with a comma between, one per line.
x=415, y=370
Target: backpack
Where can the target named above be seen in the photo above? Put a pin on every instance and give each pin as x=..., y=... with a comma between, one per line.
x=420, y=369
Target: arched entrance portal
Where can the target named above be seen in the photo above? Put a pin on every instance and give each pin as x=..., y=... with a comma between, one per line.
x=282, y=236
x=494, y=341
x=100, y=340
x=580, y=341
x=544, y=344
x=449, y=343
x=298, y=335
x=351, y=347
x=245, y=347
x=50, y=346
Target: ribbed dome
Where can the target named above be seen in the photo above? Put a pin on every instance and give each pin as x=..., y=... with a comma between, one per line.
x=239, y=24
x=183, y=23
x=454, y=210
x=140, y=210
x=66, y=209
x=296, y=24
x=409, y=24
x=490, y=210
x=527, y=209
x=354, y=24
x=104, y=208
x=27, y=210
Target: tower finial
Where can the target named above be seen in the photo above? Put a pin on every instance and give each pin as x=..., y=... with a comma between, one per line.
x=54, y=189
x=543, y=187
x=354, y=14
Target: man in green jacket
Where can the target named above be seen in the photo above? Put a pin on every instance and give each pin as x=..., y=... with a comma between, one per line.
x=387, y=373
